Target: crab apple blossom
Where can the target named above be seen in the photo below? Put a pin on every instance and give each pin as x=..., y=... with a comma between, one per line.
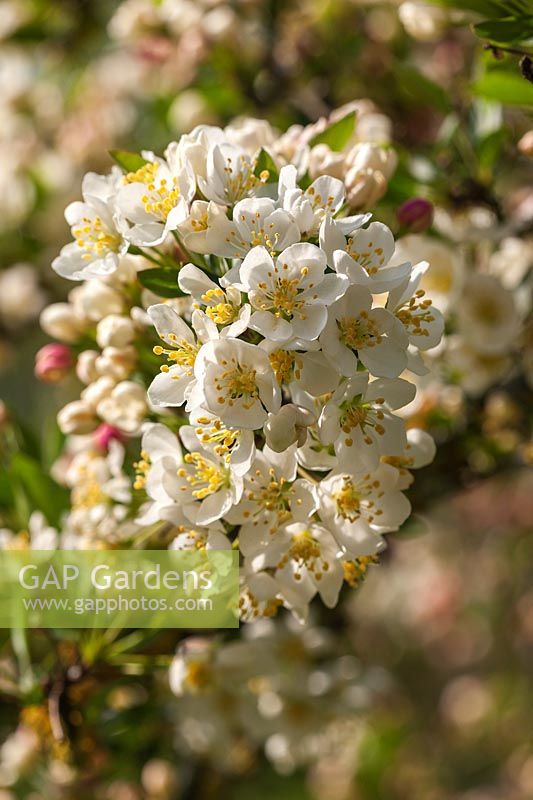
x=98, y=241
x=357, y=332
x=237, y=382
x=290, y=295
x=359, y=422
x=268, y=411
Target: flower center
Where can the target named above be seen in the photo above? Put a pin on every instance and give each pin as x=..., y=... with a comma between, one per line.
x=305, y=552
x=415, y=313
x=217, y=307
x=356, y=414
x=214, y=432
x=161, y=198
x=184, y=354
x=285, y=365
x=348, y=501
x=237, y=383
x=204, y=474
x=358, y=333
x=240, y=179
x=199, y=676
x=284, y=296
x=273, y=496
x=95, y=239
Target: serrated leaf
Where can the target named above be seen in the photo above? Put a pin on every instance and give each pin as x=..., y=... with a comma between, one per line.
x=129, y=162
x=162, y=281
x=265, y=163
x=506, y=87
x=337, y=135
x=514, y=30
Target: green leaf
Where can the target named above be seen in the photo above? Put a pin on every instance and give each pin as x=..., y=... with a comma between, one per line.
x=42, y=493
x=495, y=9
x=130, y=162
x=162, y=281
x=506, y=31
x=506, y=87
x=265, y=163
x=337, y=135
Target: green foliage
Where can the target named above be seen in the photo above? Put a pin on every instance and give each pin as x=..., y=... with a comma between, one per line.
x=129, y=162
x=162, y=281
x=511, y=31
x=40, y=491
x=265, y=163
x=505, y=87
x=337, y=135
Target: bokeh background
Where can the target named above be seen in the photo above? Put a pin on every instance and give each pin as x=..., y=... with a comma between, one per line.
x=442, y=630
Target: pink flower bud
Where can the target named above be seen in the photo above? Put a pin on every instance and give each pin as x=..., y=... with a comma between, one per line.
x=415, y=214
x=53, y=362
x=104, y=434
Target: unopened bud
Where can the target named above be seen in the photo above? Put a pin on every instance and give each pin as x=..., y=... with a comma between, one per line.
x=53, y=362
x=104, y=434
x=125, y=407
x=86, y=366
x=117, y=362
x=416, y=214
x=288, y=426
x=77, y=417
x=60, y=321
x=115, y=331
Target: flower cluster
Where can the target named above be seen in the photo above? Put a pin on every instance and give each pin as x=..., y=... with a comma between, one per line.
x=287, y=325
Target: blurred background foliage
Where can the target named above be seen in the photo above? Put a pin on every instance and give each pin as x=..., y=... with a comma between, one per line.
x=445, y=625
